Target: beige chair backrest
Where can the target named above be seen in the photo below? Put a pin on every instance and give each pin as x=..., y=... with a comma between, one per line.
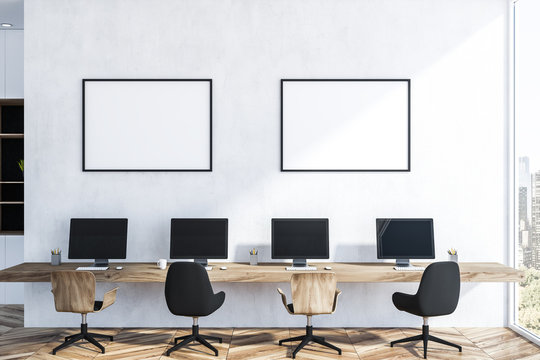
x=313, y=293
x=74, y=291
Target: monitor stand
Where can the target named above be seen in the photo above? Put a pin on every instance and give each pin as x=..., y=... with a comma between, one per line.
x=299, y=263
x=204, y=263
x=101, y=263
x=403, y=263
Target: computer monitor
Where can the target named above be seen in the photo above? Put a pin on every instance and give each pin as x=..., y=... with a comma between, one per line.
x=99, y=239
x=299, y=240
x=199, y=239
x=404, y=239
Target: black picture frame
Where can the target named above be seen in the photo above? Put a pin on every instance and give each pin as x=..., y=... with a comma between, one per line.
x=86, y=80
x=407, y=81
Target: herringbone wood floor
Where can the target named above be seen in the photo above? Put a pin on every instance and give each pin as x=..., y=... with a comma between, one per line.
x=20, y=343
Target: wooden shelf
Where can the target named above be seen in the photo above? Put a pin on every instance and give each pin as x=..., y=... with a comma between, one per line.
x=11, y=233
x=11, y=101
x=11, y=136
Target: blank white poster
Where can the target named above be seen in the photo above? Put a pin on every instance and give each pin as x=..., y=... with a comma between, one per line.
x=147, y=125
x=345, y=125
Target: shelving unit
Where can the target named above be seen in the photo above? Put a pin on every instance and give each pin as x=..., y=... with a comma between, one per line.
x=11, y=177
x=11, y=136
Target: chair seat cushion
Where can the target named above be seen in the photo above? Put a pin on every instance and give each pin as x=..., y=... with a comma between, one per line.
x=98, y=305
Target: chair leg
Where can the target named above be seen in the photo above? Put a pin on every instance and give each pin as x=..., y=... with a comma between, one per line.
x=201, y=340
x=110, y=337
x=296, y=338
x=444, y=342
x=425, y=337
x=83, y=335
x=73, y=339
x=324, y=343
x=195, y=336
x=214, y=338
x=181, y=338
x=94, y=342
x=70, y=336
x=186, y=341
x=304, y=342
x=309, y=337
x=412, y=338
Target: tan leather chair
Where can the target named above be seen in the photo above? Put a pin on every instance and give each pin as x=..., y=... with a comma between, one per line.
x=313, y=294
x=75, y=291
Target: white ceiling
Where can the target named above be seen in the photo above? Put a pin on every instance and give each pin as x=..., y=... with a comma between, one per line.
x=12, y=12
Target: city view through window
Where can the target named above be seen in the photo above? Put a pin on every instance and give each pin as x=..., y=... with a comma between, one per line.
x=528, y=247
x=527, y=162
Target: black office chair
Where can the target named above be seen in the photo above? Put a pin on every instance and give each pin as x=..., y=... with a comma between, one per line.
x=189, y=293
x=437, y=295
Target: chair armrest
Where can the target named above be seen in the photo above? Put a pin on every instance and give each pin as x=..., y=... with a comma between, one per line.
x=336, y=294
x=284, y=300
x=109, y=298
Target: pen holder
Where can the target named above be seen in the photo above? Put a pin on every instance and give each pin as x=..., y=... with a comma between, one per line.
x=253, y=259
x=453, y=258
x=56, y=259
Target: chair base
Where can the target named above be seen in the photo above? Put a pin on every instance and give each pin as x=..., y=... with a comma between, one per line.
x=309, y=337
x=195, y=336
x=83, y=335
x=425, y=337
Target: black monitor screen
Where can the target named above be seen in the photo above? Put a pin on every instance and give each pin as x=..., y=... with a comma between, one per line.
x=199, y=238
x=300, y=239
x=405, y=239
x=98, y=238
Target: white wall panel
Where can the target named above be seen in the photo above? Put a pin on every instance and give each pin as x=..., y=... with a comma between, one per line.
x=2, y=64
x=2, y=266
x=14, y=256
x=14, y=64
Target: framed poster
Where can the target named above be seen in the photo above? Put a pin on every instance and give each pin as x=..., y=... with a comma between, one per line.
x=147, y=124
x=345, y=125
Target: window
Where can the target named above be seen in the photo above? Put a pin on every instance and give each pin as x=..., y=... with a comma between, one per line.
x=527, y=163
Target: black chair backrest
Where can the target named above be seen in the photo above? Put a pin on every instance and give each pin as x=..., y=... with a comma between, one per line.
x=187, y=289
x=438, y=293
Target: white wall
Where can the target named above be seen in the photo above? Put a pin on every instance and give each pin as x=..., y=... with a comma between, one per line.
x=11, y=64
x=14, y=250
x=2, y=64
x=2, y=266
x=453, y=51
x=14, y=64
x=11, y=254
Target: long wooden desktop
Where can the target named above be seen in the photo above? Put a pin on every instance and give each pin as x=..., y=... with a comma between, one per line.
x=264, y=272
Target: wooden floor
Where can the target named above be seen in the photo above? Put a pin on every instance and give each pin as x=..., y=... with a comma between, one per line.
x=17, y=342
x=11, y=316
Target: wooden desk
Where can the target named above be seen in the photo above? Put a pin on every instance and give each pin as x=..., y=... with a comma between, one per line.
x=267, y=272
